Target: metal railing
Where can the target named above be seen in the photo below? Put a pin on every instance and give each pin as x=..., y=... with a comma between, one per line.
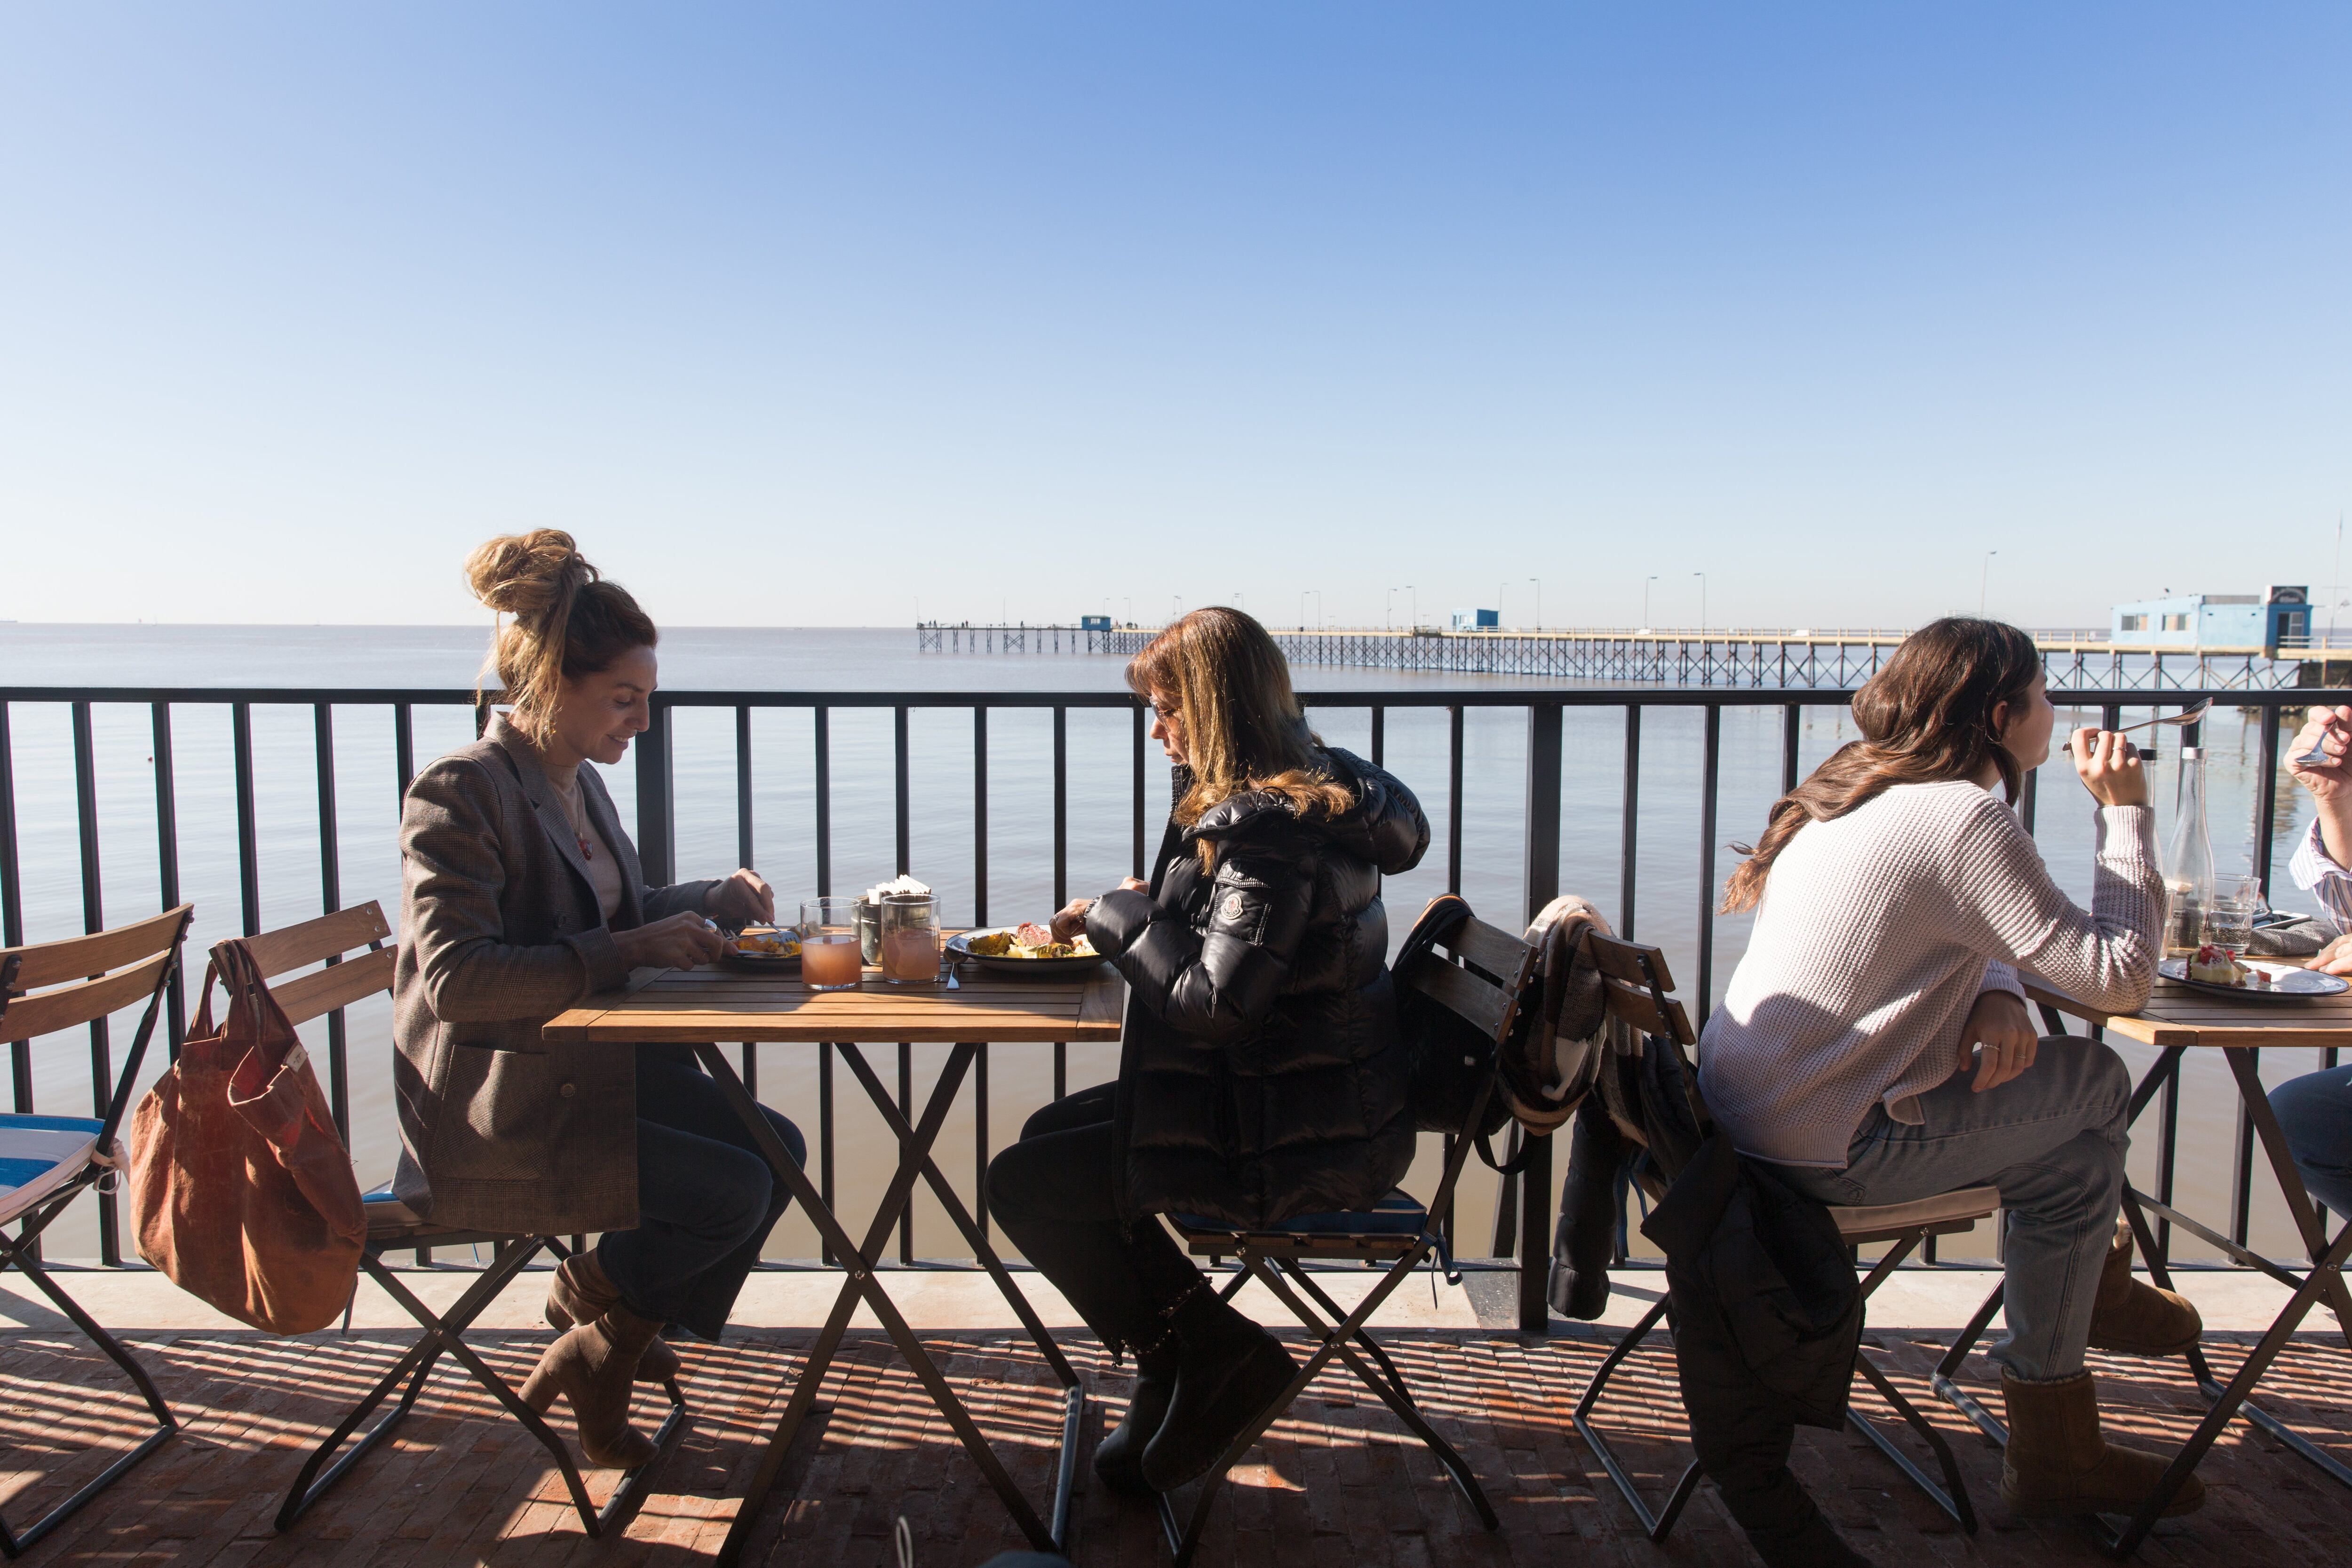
x=1522, y=1228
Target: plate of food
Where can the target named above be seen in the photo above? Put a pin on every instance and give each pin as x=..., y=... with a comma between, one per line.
x=2255, y=979
x=1028, y=949
x=764, y=950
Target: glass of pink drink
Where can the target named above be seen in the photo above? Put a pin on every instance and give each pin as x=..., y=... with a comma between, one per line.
x=910, y=940
x=829, y=958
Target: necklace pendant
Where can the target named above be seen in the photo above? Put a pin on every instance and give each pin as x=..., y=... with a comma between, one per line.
x=586, y=851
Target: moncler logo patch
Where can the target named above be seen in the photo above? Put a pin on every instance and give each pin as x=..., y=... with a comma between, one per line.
x=1233, y=906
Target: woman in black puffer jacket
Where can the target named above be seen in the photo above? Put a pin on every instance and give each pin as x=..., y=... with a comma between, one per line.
x=1262, y=1075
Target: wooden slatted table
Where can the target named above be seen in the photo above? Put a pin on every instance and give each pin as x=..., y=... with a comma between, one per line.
x=2177, y=1020
x=701, y=1008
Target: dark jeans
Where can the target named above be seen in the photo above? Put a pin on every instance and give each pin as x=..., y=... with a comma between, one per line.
x=1055, y=1194
x=706, y=1198
x=2314, y=1111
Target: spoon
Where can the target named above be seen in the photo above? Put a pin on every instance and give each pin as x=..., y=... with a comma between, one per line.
x=2189, y=716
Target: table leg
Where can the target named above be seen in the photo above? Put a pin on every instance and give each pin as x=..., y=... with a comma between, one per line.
x=861, y=1281
x=2307, y=1223
x=1072, y=1391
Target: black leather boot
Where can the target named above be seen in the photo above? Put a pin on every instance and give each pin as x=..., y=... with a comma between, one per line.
x=1228, y=1370
x=1119, y=1457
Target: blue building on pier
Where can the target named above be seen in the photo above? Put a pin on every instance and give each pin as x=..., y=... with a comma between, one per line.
x=2279, y=616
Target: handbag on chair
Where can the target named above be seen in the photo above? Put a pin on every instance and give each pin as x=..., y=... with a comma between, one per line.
x=240, y=1188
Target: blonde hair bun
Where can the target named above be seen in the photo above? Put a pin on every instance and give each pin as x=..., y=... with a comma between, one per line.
x=568, y=621
x=527, y=574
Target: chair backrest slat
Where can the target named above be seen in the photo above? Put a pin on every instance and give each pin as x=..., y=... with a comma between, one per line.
x=64, y=1008
x=1490, y=1008
x=1483, y=1007
x=321, y=992
x=293, y=947
x=1637, y=982
x=47, y=964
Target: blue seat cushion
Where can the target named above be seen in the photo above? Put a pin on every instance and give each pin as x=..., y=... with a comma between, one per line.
x=1398, y=1214
x=385, y=1211
x=39, y=1154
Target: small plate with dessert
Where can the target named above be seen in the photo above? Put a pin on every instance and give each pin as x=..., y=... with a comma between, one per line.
x=2217, y=970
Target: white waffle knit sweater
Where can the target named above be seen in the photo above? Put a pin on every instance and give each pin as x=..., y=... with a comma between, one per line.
x=1877, y=933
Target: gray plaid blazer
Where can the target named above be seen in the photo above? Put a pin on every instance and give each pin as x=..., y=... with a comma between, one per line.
x=500, y=931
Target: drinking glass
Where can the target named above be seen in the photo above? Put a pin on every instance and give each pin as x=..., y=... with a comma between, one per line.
x=910, y=939
x=2230, y=919
x=829, y=956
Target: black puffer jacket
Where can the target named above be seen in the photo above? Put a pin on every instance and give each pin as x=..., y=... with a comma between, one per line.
x=1262, y=1074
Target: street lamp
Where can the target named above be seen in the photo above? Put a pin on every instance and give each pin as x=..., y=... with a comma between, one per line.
x=1499, y=588
x=1702, y=603
x=1984, y=581
x=1416, y=604
x=1387, y=612
x=1645, y=599
x=1539, y=583
x=1176, y=607
x=1302, y=609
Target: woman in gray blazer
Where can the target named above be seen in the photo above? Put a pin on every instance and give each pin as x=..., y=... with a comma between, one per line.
x=521, y=896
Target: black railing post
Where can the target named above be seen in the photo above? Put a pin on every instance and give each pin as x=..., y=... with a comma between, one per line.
x=1137, y=726
x=1545, y=733
x=1452, y=810
x=1710, y=774
x=331, y=898
x=980, y=831
x=403, y=751
x=93, y=918
x=11, y=908
x=744, y=788
x=823, y=735
x=656, y=810
x=1630, y=822
x=1792, y=728
x=167, y=873
x=248, y=837
x=2266, y=807
x=901, y=786
x=1061, y=806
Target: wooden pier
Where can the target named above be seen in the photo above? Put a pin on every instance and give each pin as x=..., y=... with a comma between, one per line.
x=1764, y=659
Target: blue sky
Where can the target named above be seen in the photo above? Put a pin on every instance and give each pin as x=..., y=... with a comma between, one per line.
x=809, y=315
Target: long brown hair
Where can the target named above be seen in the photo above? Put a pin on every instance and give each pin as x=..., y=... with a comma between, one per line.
x=568, y=622
x=1244, y=729
x=1925, y=718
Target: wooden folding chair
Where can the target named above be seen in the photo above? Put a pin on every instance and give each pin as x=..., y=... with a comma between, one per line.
x=1482, y=978
x=393, y=1227
x=1639, y=985
x=46, y=1162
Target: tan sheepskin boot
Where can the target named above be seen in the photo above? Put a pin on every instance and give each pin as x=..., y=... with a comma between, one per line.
x=2057, y=1463
x=2132, y=1316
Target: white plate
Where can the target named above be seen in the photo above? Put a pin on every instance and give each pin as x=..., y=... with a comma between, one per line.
x=2288, y=983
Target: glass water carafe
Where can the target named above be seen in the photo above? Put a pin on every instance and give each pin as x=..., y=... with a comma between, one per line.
x=2187, y=860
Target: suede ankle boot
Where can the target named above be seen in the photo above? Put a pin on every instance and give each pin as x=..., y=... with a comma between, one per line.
x=2058, y=1464
x=593, y=1365
x=1228, y=1370
x=2133, y=1316
x=1119, y=1457
x=581, y=1293
x=1583, y=1245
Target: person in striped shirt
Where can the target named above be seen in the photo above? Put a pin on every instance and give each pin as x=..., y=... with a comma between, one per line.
x=2314, y=1110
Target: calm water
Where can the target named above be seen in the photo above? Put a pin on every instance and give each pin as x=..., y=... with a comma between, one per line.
x=1020, y=846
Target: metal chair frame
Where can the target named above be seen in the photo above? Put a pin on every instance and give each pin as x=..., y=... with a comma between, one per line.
x=22, y=1250
x=1274, y=1257
x=328, y=990
x=2323, y=1279
x=1648, y=977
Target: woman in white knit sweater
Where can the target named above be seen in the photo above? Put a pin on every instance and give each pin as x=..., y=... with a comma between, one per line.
x=1874, y=1045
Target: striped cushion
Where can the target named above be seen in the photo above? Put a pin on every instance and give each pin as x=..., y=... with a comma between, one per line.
x=39, y=1154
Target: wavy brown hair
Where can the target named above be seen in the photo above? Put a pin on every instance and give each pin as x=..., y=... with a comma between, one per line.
x=568, y=621
x=1925, y=718
x=1243, y=729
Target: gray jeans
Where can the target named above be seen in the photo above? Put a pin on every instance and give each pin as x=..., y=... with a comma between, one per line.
x=2052, y=1141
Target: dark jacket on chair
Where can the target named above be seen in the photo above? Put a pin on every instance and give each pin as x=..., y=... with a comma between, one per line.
x=1262, y=1073
x=499, y=931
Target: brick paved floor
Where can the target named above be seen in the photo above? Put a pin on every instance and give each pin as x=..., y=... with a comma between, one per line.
x=1336, y=1483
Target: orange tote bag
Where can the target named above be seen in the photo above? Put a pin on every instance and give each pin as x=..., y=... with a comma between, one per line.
x=240, y=1189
